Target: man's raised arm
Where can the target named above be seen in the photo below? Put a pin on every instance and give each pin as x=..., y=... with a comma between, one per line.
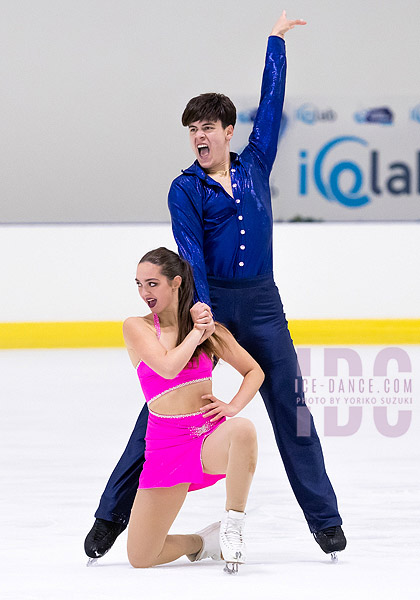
x=264, y=137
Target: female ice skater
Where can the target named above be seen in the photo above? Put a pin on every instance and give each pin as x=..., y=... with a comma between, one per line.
x=189, y=442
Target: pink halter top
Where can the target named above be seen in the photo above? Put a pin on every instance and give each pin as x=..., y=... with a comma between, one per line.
x=154, y=385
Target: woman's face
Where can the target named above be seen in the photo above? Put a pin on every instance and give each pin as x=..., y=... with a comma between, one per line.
x=156, y=289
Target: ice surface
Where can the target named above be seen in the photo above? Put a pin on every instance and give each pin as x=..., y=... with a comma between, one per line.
x=65, y=418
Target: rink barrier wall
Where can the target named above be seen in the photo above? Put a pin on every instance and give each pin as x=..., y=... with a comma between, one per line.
x=76, y=274
x=108, y=334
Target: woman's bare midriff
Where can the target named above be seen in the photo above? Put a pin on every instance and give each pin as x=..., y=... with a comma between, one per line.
x=184, y=400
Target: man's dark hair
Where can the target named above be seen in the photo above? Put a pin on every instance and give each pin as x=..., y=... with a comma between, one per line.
x=210, y=107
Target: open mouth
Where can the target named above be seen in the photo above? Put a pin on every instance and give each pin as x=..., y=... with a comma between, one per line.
x=203, y=150
x=151, y=302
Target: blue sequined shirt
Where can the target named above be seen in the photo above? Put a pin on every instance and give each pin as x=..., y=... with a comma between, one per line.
x=229, y=237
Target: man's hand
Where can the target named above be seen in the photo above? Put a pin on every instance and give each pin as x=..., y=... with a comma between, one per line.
x=201, y=313
x=203, y=319
x=284, y=24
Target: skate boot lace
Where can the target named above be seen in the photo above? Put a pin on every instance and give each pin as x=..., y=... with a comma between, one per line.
x=103, y=529
x=329, y=531
x=233, y=534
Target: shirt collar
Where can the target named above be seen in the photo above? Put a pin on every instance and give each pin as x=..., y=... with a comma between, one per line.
x=195, y=168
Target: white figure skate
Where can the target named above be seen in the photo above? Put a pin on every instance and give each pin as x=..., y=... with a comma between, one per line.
x=211, y=544
x=231, y=540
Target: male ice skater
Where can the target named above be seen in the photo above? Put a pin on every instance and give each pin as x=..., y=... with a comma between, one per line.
x=222, y=222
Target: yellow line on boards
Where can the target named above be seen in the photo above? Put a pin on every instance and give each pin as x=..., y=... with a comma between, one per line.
x=356, y=331
x=108, y=334
x=85, y=334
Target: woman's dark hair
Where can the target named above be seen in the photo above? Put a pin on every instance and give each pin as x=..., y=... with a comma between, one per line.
x=210, y=107
x=171, y=265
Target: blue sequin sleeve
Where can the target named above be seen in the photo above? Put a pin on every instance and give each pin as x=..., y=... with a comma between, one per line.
x=265, y=133
x=188, y=230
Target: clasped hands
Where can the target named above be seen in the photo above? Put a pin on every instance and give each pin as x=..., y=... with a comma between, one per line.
x=203, y=319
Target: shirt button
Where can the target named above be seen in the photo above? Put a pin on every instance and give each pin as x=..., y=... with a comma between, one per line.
x=233, y=170
x=234, y=185
x=237, y=201
x=242, y=231
x=242, y=247
x=241, y=264
x=240, y=217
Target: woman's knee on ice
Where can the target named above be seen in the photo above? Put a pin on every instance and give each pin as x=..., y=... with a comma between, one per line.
x=142, y=555
x=141, y=559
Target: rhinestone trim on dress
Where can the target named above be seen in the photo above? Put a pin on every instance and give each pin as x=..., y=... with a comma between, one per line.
x=198, y=431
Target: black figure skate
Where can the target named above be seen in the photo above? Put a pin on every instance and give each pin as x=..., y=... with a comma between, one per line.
x=331, y=540
x=100, y=539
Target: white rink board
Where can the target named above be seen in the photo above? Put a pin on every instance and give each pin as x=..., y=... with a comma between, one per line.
x=86, y=272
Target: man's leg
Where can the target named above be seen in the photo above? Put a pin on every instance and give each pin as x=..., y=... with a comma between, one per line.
x=255, y=316
x=114, y=509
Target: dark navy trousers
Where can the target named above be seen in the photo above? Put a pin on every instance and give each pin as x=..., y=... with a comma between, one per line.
x=252, y=310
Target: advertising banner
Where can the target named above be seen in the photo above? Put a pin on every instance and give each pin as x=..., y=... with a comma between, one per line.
x=343, y=159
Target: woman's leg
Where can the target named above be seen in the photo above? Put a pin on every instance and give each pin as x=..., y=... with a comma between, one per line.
x=154, y=511
x=232, y=449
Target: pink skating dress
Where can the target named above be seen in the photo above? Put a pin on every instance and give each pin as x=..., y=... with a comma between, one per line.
x=174, y=442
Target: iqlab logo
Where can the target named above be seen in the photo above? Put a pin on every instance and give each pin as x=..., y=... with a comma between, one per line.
x=310, y=114
x=415, y=113
x=353, y=184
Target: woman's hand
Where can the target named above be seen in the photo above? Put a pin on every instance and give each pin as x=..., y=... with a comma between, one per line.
x=217, y=409
x=207, y=330
x=284, y=25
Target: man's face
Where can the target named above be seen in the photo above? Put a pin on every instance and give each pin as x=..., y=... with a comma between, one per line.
x=210, y=143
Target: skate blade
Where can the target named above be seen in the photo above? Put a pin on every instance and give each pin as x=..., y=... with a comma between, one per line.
x=92, y=562
x=334, y=558
x=231, y=568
